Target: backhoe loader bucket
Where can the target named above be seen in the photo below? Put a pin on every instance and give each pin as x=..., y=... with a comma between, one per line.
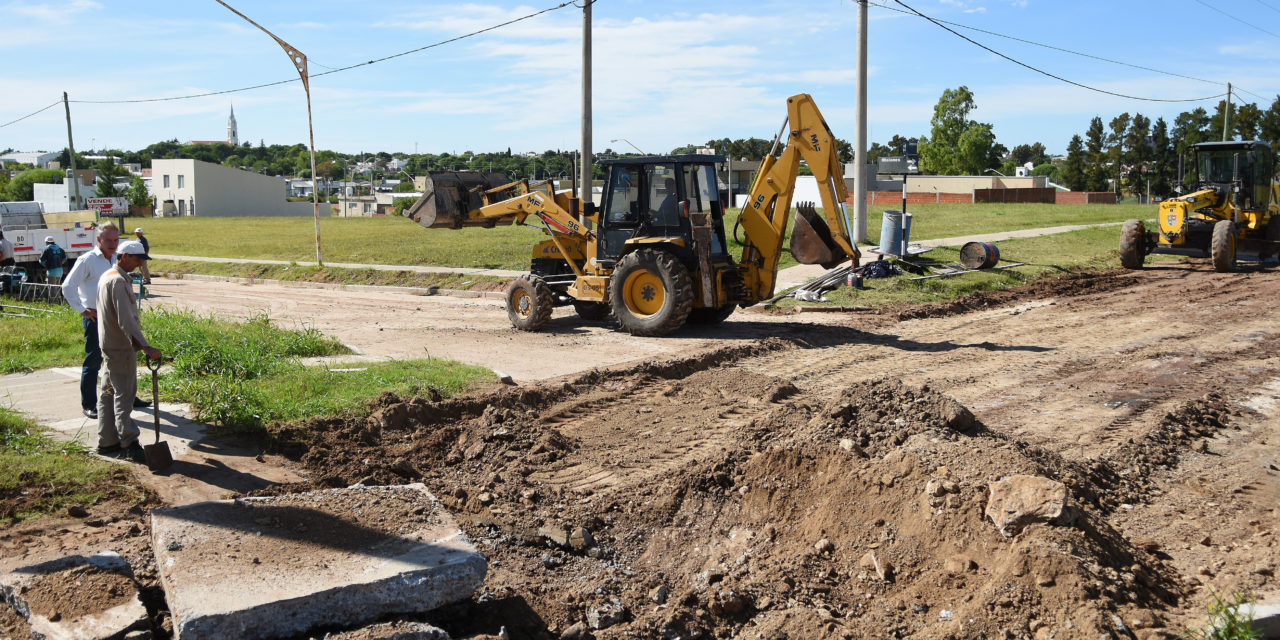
x=448, y=196
x=811, y=241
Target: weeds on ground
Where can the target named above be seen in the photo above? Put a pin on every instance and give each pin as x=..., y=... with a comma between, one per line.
x=244, y=376
x=1228, y=620
x=48, y=336
x=39, y=475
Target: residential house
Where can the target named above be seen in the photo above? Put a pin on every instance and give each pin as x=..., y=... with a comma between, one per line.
x=186, y=187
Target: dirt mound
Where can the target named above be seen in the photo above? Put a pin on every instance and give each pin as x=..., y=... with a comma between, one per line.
x=691, y=499
x=1074, y=284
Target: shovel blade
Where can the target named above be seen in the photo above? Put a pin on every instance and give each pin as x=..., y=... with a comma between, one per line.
x=158, y=456
x=811, y=241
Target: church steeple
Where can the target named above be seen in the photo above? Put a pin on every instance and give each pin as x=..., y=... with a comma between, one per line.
x=233, y=136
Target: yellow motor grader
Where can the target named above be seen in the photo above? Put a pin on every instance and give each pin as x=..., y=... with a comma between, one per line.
x=654, y=253
x=1234, y=213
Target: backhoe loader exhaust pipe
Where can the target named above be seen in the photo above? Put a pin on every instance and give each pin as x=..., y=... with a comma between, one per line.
x=448, y=196
x=811, y=241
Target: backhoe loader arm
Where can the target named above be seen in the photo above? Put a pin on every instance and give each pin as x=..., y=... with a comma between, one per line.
x=768, y=209
x=537, y=203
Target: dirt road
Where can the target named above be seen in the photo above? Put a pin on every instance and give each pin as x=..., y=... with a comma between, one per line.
x=826, y=475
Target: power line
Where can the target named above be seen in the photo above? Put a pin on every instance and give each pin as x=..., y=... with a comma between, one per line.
x=1268, y=6
x=30, y=114
x=1046, y=73
x=340, y=69
x=1247, y=24
x=1055, y=48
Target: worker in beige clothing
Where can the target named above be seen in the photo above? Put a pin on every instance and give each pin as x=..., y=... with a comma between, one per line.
x=120, y=337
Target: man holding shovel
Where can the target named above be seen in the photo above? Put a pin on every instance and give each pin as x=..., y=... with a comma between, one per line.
x=120, y=337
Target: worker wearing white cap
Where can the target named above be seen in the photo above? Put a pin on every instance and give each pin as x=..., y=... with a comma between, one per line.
x=146, y=246
x=120, y=336
x=52, y=259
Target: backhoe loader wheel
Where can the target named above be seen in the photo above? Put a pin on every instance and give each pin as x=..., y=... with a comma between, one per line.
x=651, y=293
x=529, y=303
x=1133, y=241
x=591, y=311
x=1222, y=248
x=711, y=315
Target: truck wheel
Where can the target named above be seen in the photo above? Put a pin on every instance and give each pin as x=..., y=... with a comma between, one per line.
x=529, y=303
x=591, y=311
x=711, y=315
x=1133, y=241
x=651, y=293
x=1222, y=248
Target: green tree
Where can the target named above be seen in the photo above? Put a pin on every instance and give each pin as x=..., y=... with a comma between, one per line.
x=20, y=187
x=137, y=193
x=957, y=145
x=1163, y=163
x=404, y=187
x=1247, y=121
x=1073, y=168
x=108, y=171
x=1095, y=157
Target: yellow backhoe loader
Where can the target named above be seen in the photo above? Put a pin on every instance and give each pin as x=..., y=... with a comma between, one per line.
x=654, y=254
x=1234, y=213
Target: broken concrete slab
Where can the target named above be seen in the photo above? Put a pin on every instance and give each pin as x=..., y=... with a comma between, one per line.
x=77, y=598
x=278, y=566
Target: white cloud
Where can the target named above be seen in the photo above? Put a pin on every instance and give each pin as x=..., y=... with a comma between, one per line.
x=51, y=12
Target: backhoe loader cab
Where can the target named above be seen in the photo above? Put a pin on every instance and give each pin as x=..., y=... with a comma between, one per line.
x=649, y=201
x=1233, y=213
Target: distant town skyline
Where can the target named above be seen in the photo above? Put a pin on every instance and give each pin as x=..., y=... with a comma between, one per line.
x=665, y=74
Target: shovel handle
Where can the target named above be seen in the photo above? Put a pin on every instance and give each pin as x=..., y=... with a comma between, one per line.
x=154, y=366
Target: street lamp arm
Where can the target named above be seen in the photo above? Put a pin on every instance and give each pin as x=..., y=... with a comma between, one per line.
x=632, y=145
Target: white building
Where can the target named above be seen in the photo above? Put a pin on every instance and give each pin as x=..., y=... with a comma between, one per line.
x=190, y=187
x=38, y=159
x=56, y=198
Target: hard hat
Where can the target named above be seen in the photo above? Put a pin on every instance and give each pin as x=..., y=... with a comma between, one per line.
x=48, y=239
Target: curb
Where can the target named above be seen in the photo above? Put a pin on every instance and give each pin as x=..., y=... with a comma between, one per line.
x=417, y=291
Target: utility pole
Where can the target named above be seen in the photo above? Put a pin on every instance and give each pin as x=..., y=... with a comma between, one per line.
x=71, y=148
x=859, y=230
x=1226, y=115
x=585, y=192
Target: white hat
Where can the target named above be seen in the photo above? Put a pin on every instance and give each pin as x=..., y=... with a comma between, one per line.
x=132, y=247
x=48, y=239
x=138, y=230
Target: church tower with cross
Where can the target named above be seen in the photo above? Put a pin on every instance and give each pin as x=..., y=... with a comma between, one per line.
x=233, y=136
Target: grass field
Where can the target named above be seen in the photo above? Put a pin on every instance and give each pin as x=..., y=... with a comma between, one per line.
x=328, y=274
x=399, y=241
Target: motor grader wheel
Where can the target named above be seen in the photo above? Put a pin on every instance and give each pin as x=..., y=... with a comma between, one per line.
x=1222, y=246
x=1133, y=244
x=651, y=293
x=529, y=303
x=591, y=311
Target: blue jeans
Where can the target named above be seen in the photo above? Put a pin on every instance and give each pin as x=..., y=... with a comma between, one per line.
x=92, y=362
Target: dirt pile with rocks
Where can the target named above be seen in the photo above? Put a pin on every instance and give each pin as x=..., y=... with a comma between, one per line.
x=693, y=499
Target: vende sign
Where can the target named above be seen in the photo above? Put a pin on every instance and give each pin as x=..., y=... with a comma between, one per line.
x=109, y=206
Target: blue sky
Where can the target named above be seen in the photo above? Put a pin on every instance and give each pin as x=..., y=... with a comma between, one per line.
x=666, y=73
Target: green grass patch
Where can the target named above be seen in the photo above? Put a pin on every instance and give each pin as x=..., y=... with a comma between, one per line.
x=244, y=376
x=398, y=240
x=52, y=337
x=1228, y=619
x=40, y=476
x=327, y=274
x=297, y=392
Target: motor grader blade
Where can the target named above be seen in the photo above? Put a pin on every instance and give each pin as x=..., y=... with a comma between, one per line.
x=811, y=241
x=448, y=196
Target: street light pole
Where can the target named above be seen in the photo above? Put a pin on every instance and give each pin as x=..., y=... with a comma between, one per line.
x=632, y=145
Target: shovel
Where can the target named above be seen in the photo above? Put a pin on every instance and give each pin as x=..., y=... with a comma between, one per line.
x=158, y=456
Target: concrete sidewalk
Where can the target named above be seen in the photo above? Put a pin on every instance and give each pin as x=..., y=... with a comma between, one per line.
x=800, y=274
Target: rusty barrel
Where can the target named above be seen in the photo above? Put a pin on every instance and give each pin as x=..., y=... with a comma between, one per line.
x=979, y=255
x=447, y=197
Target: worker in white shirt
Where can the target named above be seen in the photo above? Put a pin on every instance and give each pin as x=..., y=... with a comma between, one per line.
x=80, y=288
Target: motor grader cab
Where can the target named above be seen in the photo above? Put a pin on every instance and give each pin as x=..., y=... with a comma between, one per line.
x=654, y=253
x=1233, y=214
